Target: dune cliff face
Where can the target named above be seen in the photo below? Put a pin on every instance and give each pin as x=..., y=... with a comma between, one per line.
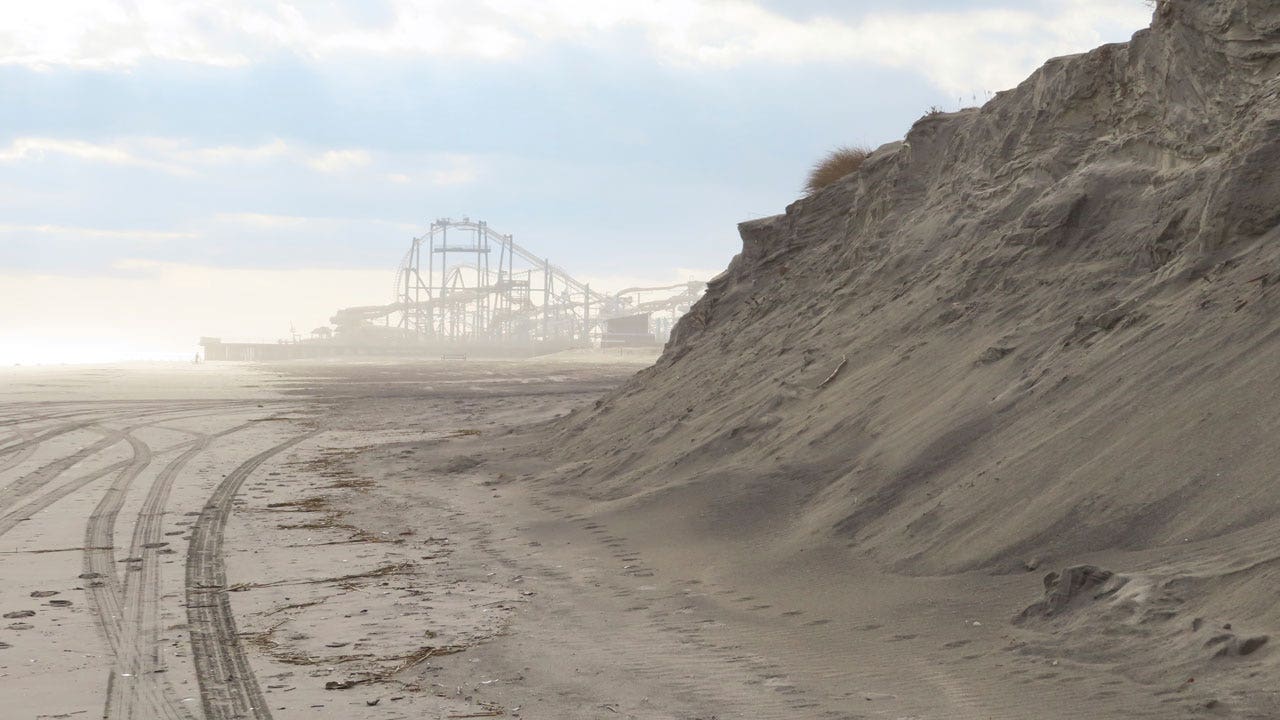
x=1041, y=332
x=1052, y=322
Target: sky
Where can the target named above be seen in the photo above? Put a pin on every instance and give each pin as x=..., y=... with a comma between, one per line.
x=171, y=169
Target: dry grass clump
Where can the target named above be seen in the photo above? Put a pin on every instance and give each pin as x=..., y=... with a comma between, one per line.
x=837, y=164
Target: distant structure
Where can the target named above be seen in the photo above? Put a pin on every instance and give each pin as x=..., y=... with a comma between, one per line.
x=464, y=288
x=462, y=283
x=640, y=316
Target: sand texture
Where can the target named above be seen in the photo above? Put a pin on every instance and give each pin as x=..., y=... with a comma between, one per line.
x=1033, y=337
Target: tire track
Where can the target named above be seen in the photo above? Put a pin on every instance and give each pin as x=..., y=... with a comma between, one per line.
x=21, y=414
x=11, y=519
x=38, y=478
x=17, y=459
x=54, y=409
x=228, y=688
x=107, y=597
x=114, y=408
x=64, y=429
x=140, y=628
x=105, y=592
x=31, y=442
x=115, y=413
x=99, y=553
x=32, y=481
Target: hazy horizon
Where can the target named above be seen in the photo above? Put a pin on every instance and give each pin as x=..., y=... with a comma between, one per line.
x=232, y=169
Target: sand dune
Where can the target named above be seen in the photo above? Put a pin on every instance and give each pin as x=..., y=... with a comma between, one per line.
x=1032, y=336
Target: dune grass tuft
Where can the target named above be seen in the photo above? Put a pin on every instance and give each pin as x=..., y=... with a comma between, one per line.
x=836, y=165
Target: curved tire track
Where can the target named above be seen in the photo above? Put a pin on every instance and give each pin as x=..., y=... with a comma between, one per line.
x=22, y=454
x=99, y=532
x=228, y=688
x=141, y=622
x=113, y=414
x=31, y=442
x=38, y=478
x=143, y=695
x=32, y=481
x=24, y=512
x=99, y=560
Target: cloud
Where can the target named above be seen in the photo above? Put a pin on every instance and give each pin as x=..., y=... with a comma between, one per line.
x=336, y=161
x=262, y=220
x=958, y=50
x=173, y=156
x=268, y=221
x=441, y=171
x=184, y=157
x=182, y=151
x=35, y=149
x=94, y=233
x=455, y=170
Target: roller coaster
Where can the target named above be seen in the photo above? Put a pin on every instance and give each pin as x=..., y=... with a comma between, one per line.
x=463, y=284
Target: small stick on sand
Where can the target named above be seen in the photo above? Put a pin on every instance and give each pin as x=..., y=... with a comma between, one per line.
x=843, y=361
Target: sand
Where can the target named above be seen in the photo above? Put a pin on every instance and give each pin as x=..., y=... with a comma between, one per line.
x=390, y=541
x=984, y=431
x=231, y=542
x=1032, y=338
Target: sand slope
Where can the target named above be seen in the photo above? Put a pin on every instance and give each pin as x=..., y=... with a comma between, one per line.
x=1030, y=336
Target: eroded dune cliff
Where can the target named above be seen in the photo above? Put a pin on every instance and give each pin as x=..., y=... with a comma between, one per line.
x=1033, y=333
